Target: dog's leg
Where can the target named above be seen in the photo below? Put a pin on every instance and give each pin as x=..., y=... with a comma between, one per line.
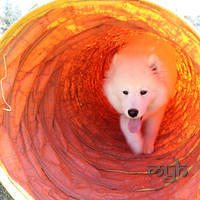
x=150, y=130
x=134, y=140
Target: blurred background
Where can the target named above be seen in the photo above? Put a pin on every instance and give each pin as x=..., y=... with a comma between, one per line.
x=12, y=10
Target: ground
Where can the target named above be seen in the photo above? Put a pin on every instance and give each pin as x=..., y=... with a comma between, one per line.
x=3, y=194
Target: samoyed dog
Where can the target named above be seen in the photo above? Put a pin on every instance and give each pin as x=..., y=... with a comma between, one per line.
x=139, y=84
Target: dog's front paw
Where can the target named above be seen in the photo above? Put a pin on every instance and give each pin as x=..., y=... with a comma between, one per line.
x=148, y=148
x=135, y=142
x=137, y=149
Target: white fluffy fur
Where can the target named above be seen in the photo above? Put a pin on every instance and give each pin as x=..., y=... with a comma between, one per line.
x=147, y=64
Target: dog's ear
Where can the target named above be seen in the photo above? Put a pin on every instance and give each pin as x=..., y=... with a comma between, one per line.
x=114, y=59
x=154, y=64
x=111, y=70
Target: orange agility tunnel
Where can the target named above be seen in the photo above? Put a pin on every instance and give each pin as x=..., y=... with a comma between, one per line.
x=60, y=138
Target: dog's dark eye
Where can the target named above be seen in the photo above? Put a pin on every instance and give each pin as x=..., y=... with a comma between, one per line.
x=125, y=92
x=143, y=92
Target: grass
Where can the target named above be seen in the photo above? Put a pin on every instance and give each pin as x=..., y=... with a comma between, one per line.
x=4, y=194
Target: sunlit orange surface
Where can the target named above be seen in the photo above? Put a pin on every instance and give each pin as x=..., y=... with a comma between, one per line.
x=59, y=137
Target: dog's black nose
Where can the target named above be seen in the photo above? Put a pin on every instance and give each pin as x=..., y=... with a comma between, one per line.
x=133, y=112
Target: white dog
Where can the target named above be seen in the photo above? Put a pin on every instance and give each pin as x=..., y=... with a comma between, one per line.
x=139, y=84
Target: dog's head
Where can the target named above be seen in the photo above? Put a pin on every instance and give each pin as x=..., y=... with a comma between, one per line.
x=135, y=85
x=142, y=76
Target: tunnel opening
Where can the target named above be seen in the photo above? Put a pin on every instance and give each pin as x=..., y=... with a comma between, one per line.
x=62, y=138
